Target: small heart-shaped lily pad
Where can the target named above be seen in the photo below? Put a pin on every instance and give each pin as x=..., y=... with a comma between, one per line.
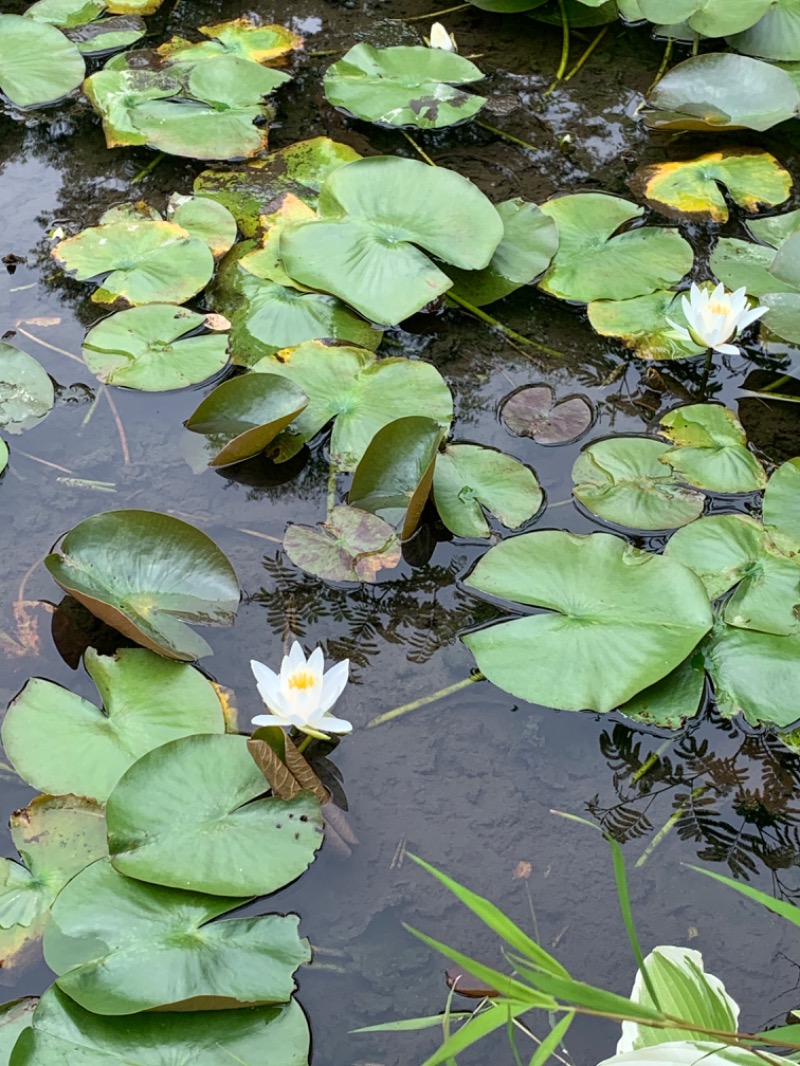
x=534, y=411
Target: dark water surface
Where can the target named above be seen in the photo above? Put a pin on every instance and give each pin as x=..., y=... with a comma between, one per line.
x=468, y=783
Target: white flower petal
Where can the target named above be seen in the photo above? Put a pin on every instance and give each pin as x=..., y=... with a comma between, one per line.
x=683, y=333
x=296, y=656
x=726, y=349
x=334, y=683
x=316, y=662
x=269, y=719
x=751, y=316
x=335, y=725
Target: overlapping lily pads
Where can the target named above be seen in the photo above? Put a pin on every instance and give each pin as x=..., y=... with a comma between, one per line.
x=61, y=743
x=351, y=545
x=711, y=449
x=642, y=323
x=38, y=64
x=404, y=86
x=26, y=390
x=84, y=24
x=144, y=573
x=238, y=37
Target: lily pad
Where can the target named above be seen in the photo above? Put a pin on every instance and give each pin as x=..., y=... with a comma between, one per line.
x=743, y=264
x=620, y=618
x=66, y=13
x=143, y=573
x=593, y=264
x=722, y=91
x=642, y=324
x=775, y=36
x=711, y=449
x=102, y=36
x=776, y=229
x=404, y=86
x=121, y=946
x=26, y=390
x=38, y=64
x=783, y=317
x=361, y=393
x=61, y=1031
x=372, y=216
x=3, y=456
x=188, y=815
x=671, y=701
x=624, y=480
x=534, y=412
x=691, y=189
x=530, y=241
x=133, y=7
x=782, y=501
x=141, y=262
x=61, y=743
x=351, y=545
x=148, y=348
x=241, y=417
x=238, y=37
x=15, y=1018
x=469, y=479
x=206, y=219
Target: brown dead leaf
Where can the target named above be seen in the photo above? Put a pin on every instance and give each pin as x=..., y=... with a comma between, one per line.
x=280, y=778
x=522, y=871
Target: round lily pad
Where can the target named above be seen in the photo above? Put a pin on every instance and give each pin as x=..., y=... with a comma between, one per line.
x=775, y=36
x=533, y=411
x=26, y=390
x=108, y=35
x=783, y=317
x=206, y=219
x=148, y=348
x=743, y=264
x=143, y=573
x=15, y=1018
x=622, y=480
x=404, y=86
x=643, y=323
x=593, y=264
x=66, y=13
x=711, y=449
x=188, y=815
x=38, y=64
x=351, y=545
x=121, y=946
x=782, y=501
x=3, y=456
x=618, y=619
x=754, y=674
x=61, y=743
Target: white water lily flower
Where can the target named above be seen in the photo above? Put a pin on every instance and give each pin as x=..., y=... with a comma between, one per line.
x=716, y=317
x=301, y=695
x=440, y=38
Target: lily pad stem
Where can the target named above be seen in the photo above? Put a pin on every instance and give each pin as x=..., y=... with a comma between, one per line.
x=146, y=170
x=420, y=151
x=432, y=14
x=582, y=61
x=506, y=136
x=662, y=70
x=669, y=825
x=301, y=747
x=505, y=330
x=562, y=66
x=333, y=472
x=423, y=701
x=651, y=760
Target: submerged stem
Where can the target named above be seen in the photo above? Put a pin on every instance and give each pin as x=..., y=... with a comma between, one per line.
x=432, y=14
x=146, y=170
x=505, y=330
x=562, y=66
x=420, y=151
x=662, y=70
x=423, y=701
x=506, y=136
x=333, y=471
x=582, y=61
x=669, y=825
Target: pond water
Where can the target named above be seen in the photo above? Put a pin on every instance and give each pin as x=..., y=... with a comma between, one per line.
x=467, y=782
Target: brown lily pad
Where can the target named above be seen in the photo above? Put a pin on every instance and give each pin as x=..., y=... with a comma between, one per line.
x=534, y=411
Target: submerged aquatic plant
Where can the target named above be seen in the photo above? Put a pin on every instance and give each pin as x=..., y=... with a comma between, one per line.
x=716, y=317
x=301, y=694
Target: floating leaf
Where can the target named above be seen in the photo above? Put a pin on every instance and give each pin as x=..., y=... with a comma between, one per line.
x=671, y=701
x=66, y=13
x=776, y=229
x=108, y=35
x=133, y=7
x=533, y=411
x=621, y=618
x=783, y=317
x=26, y=390
x=373, y=215
x=394, y=476
x=782, y=501
x=204, y=218
x=642, y=324
x=593, y=264
x=241, y=417
x=529, y=243
x=143, y=572
x=404, y=86
x=238, y=37
x=742, y=264
x=14, y=1019
x=121, y=946
x=711, y=449
x=351, y=545
x=363, y=394
x=469, y=479
x=691, y=189
x=38, y=64
x=61, y=743
x=188, y=815
x=624, y=480
x=3, y=456
x=145, y=262
x=257, y=1036
x=722, y=91
x=776, y=35
x=148, y=348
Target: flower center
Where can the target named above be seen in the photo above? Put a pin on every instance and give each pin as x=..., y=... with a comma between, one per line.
x=302, y=679
x=719, y=309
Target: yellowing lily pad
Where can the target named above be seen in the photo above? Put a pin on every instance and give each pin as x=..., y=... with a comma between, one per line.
x=691, y=189
x=642, y=324
x=240, y=37
x=351, y=545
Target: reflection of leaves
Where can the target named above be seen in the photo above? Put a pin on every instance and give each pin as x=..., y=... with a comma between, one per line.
x=623, y=823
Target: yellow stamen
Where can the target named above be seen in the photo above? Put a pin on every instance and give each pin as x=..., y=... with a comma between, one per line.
x=302, y=679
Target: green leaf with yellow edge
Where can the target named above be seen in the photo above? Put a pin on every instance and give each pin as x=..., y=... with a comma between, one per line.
x=265, y=260
x=710, y=449
x=691, y=189
x=351, y=545
x=239, y=37
x=133, y=7
x=641, y=323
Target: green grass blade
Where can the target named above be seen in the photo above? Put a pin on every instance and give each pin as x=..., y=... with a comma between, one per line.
x=778, y=906
x=480, y=1026
x=552, y=1041
x=410, y=1025
x=566, y=990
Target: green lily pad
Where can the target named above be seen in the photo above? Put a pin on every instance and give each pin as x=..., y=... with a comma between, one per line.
x=61, y=1031
x=469, y=479
x=530, y=241
x=783, y=317
x=621, y=618
x=265, y=261
x=404, y=86
x=394, y=476
x=38, y=64
x=776, y=229
x=26, y=390
x=15, y=1018
x=204, y=218
x=743, y=264
x=188, y=815
x=671, y=701
x=145, y=262
x=786, y=264
x=148, y=348
x=61, y=743
x=351, y=545
x=373, y=214
x=3, y=456
x=782, y=502
x=754, y=674
x=244, y=415
x=66, y=14
x=534, y=412
x=578, y=13
x=642, y=324
x=624, y=480
x=711, y=449
x=361, y=393
x=722, y=91
x=593, y=264
x=691, y=189
x=301, y=168
x=775, y=36
x=108, y=35
x=238, y=37
x=120, y=946
x=133, y=7
x=143, y=573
